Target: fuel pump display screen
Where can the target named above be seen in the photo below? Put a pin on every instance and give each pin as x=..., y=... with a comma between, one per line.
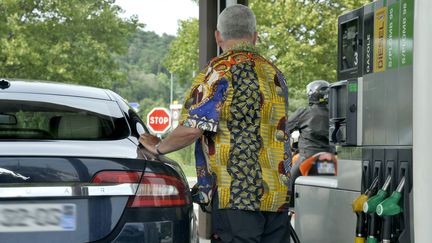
x=349, y=57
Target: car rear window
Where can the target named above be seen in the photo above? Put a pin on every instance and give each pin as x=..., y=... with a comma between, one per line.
x=52, y=117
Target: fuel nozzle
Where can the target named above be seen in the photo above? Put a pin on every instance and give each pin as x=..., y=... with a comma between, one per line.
x=357, y=204
x=370, y=205
x=390, y=206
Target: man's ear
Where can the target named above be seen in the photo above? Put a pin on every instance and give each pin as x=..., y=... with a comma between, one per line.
x=218, y=38
x=255, y=38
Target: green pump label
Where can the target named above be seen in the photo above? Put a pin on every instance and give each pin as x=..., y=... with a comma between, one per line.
x=393, y=36
x=406, y=32
x=352, y=87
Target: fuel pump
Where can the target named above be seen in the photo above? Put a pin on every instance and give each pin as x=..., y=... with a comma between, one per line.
x=371, y=124
x=371, y=114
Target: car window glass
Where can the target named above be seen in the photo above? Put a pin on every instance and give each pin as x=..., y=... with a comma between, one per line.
x=62, y=118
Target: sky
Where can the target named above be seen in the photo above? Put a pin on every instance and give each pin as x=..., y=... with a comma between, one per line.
x=160, y=16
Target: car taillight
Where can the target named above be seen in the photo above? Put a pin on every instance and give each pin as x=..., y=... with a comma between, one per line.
x=159, y=190
x=117, y=177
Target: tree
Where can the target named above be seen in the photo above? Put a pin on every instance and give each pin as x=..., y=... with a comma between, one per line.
x=182, y=58
x=146, y=52
x=147, y=79
x=72, y=41
x=300, y=36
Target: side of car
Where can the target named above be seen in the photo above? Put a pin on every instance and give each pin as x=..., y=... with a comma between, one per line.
x=72, y=170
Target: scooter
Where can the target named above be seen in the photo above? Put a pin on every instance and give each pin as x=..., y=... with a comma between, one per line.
x=323, y=163
x=319, y=164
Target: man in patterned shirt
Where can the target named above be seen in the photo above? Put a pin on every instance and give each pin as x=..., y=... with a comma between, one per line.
x=236, y=114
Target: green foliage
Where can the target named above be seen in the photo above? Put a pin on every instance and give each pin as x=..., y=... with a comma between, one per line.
x=146, y=78
x=184, y=156
x=148, y=81
x=182, y=58
x=70, y=41
x=32, y=120
x=300, y=36
x=297, y=98
x=145, y=86
x=146, y=51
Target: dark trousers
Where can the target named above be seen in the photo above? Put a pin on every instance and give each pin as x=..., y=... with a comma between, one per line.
x=235, y=226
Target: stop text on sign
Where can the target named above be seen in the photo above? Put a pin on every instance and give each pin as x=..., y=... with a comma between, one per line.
x=159, y=120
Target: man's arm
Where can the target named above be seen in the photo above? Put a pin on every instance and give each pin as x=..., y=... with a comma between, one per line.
x=179, y=138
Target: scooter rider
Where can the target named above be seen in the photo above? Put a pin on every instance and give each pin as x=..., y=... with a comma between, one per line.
x=313, y=124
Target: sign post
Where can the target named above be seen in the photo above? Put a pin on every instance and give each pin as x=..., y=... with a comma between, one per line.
x=175, y=113
x=159, y=120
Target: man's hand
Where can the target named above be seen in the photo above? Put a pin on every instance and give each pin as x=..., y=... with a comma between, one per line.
x=179, y=138
x=149, y=142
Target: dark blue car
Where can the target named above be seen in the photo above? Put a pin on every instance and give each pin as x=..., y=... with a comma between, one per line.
x=72, y=170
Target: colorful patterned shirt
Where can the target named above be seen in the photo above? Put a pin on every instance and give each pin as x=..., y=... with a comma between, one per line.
x=240, y=100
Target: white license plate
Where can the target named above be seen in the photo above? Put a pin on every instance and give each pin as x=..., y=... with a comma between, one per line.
x=326, y=168
x=37, y=217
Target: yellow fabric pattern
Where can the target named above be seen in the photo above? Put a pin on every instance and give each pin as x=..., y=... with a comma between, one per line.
x=245, y=145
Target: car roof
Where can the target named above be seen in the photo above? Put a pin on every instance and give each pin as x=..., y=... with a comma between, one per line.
x=53, y=88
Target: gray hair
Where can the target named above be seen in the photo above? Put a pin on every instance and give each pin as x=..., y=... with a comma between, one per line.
x=236, y=22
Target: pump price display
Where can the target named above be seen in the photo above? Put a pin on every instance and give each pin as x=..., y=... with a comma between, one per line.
x=29, y=217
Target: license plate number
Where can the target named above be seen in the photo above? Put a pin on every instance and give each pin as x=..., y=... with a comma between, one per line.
x=37, y=217
x=326, y=168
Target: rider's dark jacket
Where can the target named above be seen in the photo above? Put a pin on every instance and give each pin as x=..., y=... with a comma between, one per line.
x=313, y=124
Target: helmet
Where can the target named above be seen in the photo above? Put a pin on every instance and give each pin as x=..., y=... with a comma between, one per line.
x=317, y=92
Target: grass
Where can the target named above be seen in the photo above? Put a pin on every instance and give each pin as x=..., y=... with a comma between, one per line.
x=189, y=170
x=186, y=161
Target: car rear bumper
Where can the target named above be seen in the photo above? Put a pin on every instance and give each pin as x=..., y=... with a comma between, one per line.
x=148, y=225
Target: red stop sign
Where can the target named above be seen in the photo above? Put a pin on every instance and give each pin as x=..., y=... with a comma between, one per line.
x=159, y=120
